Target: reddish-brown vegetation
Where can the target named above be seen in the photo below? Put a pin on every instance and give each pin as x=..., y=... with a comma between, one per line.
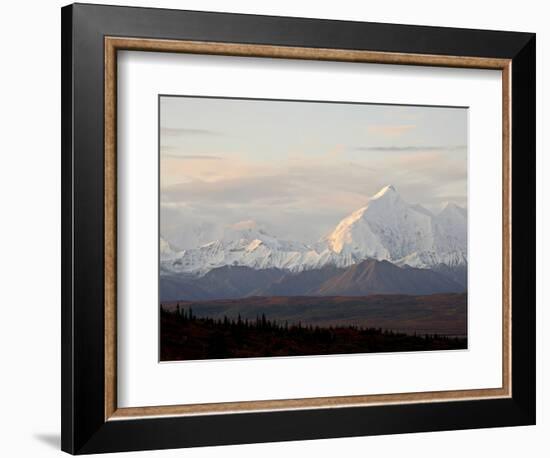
x=444, y=314
x=187, y=337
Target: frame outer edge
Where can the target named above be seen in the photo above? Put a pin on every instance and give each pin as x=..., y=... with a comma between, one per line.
x=84, y=123
x=82, y=25
x=67, y=190
x=523, y=133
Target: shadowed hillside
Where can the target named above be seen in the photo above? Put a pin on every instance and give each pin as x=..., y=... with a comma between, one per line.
x=361, y=279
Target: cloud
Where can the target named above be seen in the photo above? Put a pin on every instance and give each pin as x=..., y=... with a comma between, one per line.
x=242, y=191
x=390, y=130
x=226, y=161
x=304, y=199
x=199, y=157
x=336, y=151
x=176, y=131
x=432, y=166
x=410, y=148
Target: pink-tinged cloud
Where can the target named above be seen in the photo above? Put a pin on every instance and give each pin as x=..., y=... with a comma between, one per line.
x=390, y=130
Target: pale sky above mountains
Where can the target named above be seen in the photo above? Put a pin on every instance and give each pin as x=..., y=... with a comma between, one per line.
x=297, y=168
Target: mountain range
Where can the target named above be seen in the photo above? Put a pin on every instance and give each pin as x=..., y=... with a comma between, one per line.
x=361, y=279
x=386, y=246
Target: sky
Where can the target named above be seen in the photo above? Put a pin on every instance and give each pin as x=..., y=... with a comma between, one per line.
x=297, y=168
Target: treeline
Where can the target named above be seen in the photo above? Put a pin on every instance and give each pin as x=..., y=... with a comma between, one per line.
x=262, y=323
x=186, y=336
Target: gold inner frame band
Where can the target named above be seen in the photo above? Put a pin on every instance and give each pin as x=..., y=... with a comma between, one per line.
x=114, y=44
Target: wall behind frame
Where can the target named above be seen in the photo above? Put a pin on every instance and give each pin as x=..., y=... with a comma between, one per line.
x=30, y=233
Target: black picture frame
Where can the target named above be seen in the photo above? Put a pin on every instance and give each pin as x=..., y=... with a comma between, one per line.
x=84, y=428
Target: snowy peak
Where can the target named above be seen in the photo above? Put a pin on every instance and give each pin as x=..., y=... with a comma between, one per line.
x=386, y=228
x=251, y=234
x=248, y=224
x=166, y=250
x=451, y=229
x=386, y=197
x=387, y=191
x=452, y=210
x=390, y=228
x=245, y=230
x=244, y=244
x=354, y=235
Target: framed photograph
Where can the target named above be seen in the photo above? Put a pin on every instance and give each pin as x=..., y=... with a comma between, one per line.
x=283, y=228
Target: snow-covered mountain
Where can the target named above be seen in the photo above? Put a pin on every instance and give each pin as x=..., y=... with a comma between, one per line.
x=244, y=244
x=387, y=228
x=166, y=250
x=194, y=233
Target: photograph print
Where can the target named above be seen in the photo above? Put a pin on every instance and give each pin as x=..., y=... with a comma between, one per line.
x=293, y=228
